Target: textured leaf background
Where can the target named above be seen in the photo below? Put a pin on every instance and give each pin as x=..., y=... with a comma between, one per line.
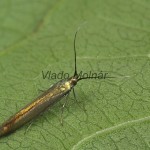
x=38, y=35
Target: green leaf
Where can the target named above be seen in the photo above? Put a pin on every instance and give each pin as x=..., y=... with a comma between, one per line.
x=38, y=36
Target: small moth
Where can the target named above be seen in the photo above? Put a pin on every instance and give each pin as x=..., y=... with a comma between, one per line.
x=47, y=99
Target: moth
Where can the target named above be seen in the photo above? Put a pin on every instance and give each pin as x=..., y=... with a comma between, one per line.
x=47, y=99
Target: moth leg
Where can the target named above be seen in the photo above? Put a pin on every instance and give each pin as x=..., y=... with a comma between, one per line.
x=28, y=127
x=77, y=101
x=41, y=90
x=62, y=109
x=74, y=94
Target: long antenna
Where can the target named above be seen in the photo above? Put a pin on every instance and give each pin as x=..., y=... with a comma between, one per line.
x=93, y=78
x=75, y=67
x=75, y=60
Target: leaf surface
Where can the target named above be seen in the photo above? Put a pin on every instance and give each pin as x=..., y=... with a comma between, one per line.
x=38, y=36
